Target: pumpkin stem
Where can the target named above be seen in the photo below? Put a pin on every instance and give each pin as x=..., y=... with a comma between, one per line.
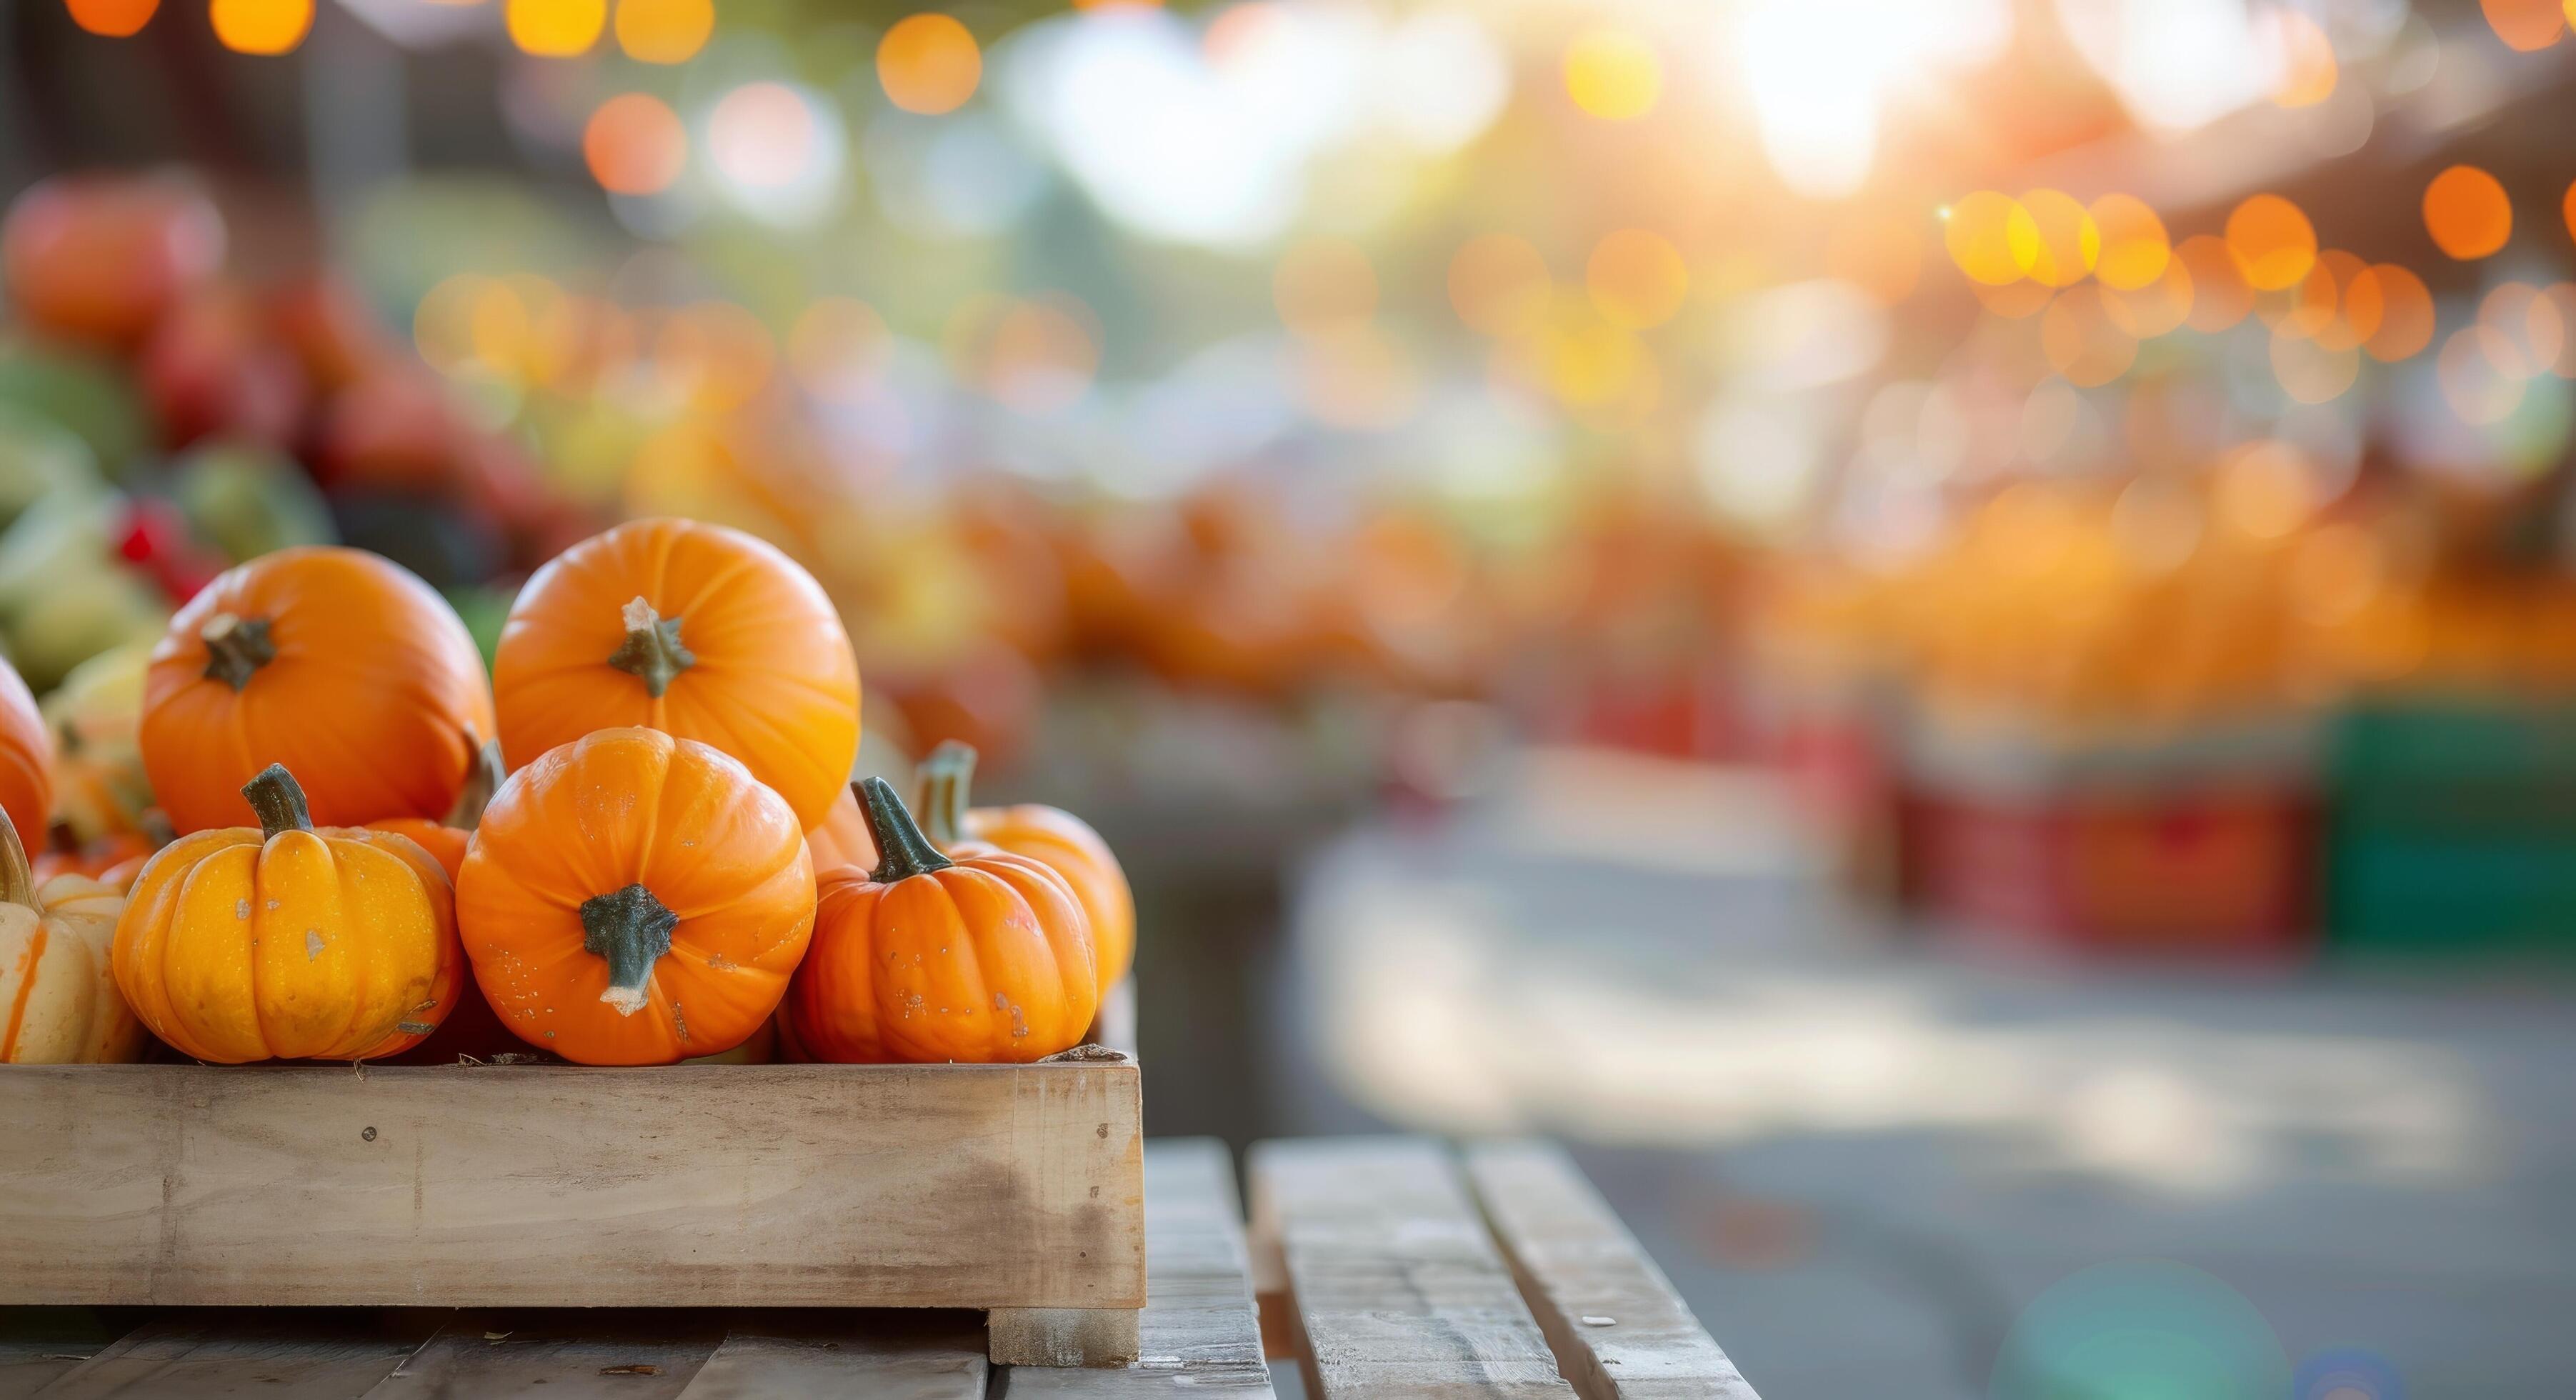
x=279, y=801
x=481, y=781
x=17, y=877
x=652, y=652
x=903, y=851
x=236, y=647
x=946, y=777
x=632, y=930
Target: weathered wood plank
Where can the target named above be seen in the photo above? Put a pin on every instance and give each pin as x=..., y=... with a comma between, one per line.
x=1060, y=1336
x=1619, y=1329
x=1197, y=1335
x=889, y=1356
x=556, y=1354
x=970, y=1186
x=39, y=1344
x=1399, y=1289
x=311, y=1357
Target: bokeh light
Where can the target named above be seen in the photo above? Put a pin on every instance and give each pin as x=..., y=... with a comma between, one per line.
x=260, y=26
x=1637, y=279
x=2401, y=315
x=2481, y=375
x=838, y=350
x=114, y=19
x=664, y=31
x=2134, y=249
x=1613, y=74
x=556, y=28
x=761, y=135
x=1499, y=284
x=929, y=63
x=2064, y=243
x=2083, y=340
x=2219, y=295
x=2525, y=25
x=2308, y=69
x=2273, y=242
x=2311, y=371
x=2159, y=308
x=1991, y=237
x=720, y=353
x=2466, y=211
x=634, y=144
x=1324, y=285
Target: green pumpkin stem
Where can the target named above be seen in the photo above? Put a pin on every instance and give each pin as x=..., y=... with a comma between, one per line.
x=279, y=801
x=652, y=652
x=947, y=776
x=902, y=851
x=236, y=647
x=482, y=780
x=632, y=930
x=17, y=877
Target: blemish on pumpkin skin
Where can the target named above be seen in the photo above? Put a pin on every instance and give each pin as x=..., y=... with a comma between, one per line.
x=718, y=962
x=312, y=944
x=241, y=908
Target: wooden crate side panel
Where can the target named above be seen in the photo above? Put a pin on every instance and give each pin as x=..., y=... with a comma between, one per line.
x=714, y=1186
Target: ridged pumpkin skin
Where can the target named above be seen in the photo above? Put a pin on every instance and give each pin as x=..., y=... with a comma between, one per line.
x=983, y=959
x=693, y=629
x=26, y=757
x=1051, y=836
x=284, y=941
x=335, y=662
x=58, y=999
x=635, y=899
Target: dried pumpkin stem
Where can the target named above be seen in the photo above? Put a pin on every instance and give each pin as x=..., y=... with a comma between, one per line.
x=17, y=877
x=482, y=780
x=652, y=652
x=903, y=851
x=279, y=801
x=631, y=929
x=236, y=647
x=946, y=778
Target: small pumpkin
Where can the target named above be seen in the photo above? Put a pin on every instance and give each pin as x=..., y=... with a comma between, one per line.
x=284, y=941
x=983, y=958
x=693, y=629
x=1051, y=836
x=446, y=838
x=635, y=899
x=96, y=720
x=334, y=662
x=111, y=860
x=58, y=999
x=26, y=755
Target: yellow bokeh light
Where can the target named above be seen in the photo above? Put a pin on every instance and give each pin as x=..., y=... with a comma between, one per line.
x=2274, y=244
x=2134, y=248
x=664, y=31
x=114, y=19
x=634, y=144
x=1990, y=237
x=261, y=26
x=2466, y=211
x=1613, y=74
x=556, y=28
x=1637, y=279
x=1499, y=284
x=2063, y=244
x=2219, y=296
x=929, y=63
x=1324, y=285
x=2083, y=340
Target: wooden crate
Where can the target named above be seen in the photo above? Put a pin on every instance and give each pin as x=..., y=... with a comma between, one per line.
x=1017, y=1189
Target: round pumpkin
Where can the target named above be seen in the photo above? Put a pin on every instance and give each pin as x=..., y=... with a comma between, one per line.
x=635, y=899
x=58, y=999
x=1051, y=836
x=26, y=756
x=984, y=958
x=445, y=839
x=284, y=941
x=696, y=630
x=335, y=662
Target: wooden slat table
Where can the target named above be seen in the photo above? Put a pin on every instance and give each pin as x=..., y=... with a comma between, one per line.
x=1387, y=1267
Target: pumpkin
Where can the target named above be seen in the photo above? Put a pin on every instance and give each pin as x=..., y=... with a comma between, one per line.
x=842, y=839
x=111, y=860
x=1051, y=836
x=635, y=899
x=986, y=957
x=445, y=839
x=96, y=719
x=26, y=756
x=284, y=941
x=333, y=662
x=58, y=999
x=696, y=630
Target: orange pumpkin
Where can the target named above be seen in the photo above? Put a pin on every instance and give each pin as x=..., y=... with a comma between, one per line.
x=26, y=756
x=110, y=860
x=985, y=958
x=842, y=839
x=696, y=630
x=635, y=899
x=1051, y=836
x=445, y=839
x=334, y=662
x=282, y=941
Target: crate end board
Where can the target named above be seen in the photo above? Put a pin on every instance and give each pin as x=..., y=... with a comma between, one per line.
x=951, y=1186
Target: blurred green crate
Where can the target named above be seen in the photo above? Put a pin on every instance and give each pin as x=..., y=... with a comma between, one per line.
x=2452, y=828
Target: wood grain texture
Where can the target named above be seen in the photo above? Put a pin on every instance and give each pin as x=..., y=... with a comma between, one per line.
x=1398, y=1287
x=556, y=1354
x=1197, y=1335
x=972, y=1186
x=313, y=1357
x=1619, y=1330
x=1060, y=1336
x=829, y=1356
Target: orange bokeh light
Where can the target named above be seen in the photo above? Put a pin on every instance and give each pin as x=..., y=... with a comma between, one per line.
x=261, y=26
x=2063, y=243
x=664, y=31
x=1637, y=279
x=2134, y=247
x=556, y=28
x=2157, y=308
x=2525, y=25
x=2467, y=212
x=1498, y=284
x=1991, y=237
x=929, y=63
x=113, y=18
x=2402, y=316
x=2274, y=244
x=634, y=144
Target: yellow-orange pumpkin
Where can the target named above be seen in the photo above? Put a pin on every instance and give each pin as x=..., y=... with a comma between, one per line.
x=1050, y=836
